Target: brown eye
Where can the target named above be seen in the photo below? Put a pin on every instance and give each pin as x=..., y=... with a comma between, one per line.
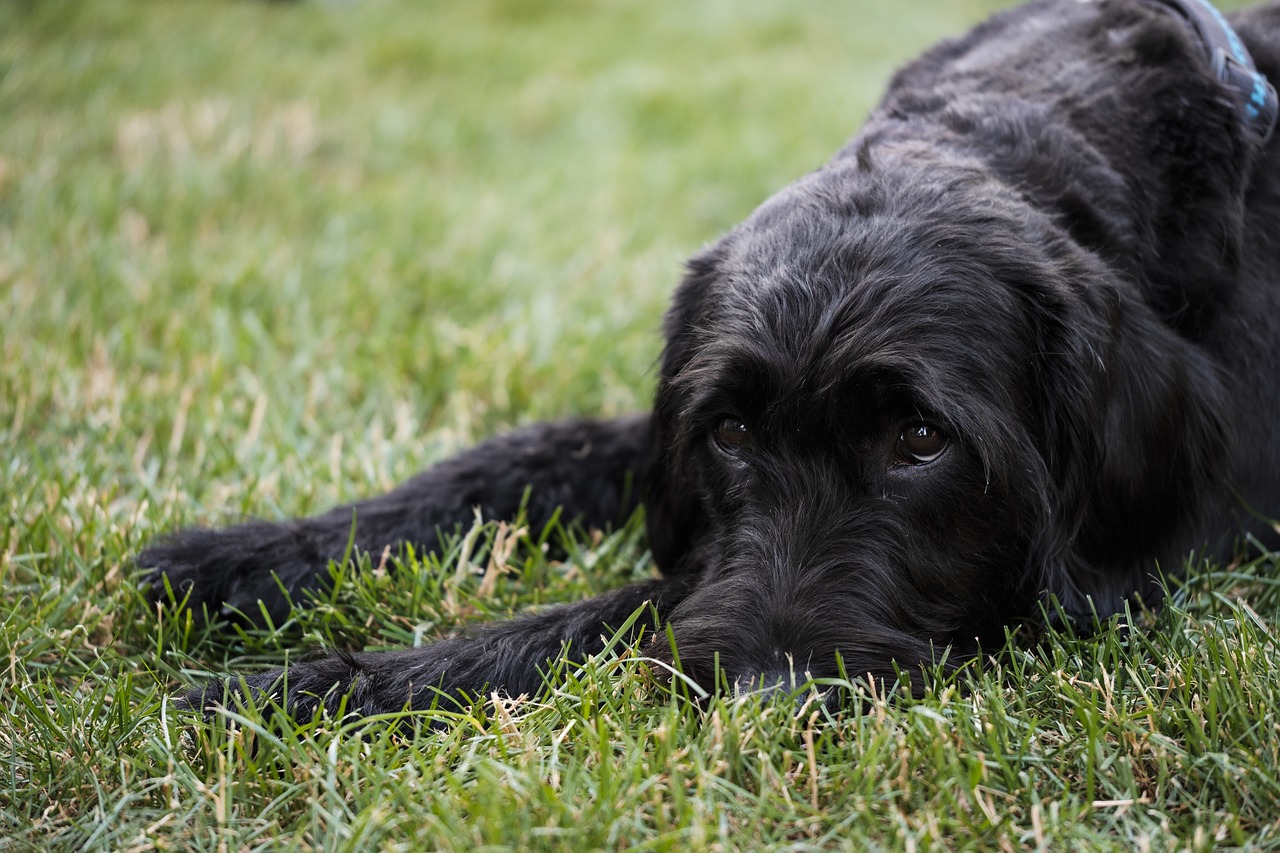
x=920, y=444
x=730, y=435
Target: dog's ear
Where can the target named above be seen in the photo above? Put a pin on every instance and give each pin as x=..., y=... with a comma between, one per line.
x=1134, y=445
x=673, y=511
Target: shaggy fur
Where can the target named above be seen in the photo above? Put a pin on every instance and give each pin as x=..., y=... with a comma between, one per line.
x=1016, y=343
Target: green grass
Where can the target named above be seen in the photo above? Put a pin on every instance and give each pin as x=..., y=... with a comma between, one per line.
x=259, y=258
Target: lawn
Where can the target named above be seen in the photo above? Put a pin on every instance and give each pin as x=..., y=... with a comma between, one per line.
x=260, y=257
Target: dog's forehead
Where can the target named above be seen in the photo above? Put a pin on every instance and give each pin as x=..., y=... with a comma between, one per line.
x=839, y=284
x=892, y=258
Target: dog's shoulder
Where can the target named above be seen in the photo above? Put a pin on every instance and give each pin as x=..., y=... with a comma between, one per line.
x=1105, y=117
x=1051, y=51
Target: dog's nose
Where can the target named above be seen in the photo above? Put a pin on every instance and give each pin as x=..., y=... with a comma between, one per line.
x=778, y=677
x=764, y=685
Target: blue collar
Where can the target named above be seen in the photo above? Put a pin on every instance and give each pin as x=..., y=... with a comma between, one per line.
x=1232, y=64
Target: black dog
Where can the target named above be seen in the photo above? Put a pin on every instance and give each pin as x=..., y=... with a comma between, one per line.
x=1018, y=342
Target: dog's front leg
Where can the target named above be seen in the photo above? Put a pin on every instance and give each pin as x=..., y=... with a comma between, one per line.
x=590, y=468
x=510, y=658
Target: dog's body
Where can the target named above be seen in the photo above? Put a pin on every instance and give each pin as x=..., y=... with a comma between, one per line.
x=1017, y=342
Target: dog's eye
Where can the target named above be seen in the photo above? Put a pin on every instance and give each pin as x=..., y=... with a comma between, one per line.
x=730, y=434
x=920, y=444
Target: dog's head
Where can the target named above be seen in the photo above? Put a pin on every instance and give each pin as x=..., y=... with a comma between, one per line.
x=895, y=414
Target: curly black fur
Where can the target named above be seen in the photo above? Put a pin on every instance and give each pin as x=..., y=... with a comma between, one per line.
x=1051, y=260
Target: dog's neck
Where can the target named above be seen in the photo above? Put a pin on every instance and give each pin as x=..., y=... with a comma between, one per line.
x=1231, y=64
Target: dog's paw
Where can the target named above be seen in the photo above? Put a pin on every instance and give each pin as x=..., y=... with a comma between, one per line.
x=302, y=689
x=343, y=685
x=250, y=573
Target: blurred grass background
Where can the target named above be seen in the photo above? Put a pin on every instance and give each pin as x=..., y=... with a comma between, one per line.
x=237, y=232
x=256, y=258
